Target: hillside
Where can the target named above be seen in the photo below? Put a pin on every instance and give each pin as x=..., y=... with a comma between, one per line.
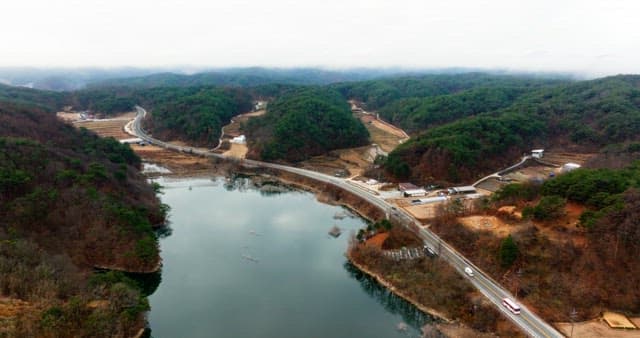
x=302, y=123
x=580, y=116
x=577, y=246
x=70, y=201
x=193, y=114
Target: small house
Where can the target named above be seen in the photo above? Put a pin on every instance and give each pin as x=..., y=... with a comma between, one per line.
x=537, y=153
x=414, y=192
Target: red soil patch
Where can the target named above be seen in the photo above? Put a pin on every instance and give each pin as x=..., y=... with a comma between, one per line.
x=574, y=210
x=377, y=240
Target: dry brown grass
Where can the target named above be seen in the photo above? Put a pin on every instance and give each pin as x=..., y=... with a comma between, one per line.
x=233, y=129
x=180, y=164
x=113, y=127
x=488, y=223
x=10, y=307
x=595, y=329
x=237, y=150
x=386, y=136
x=560, y=158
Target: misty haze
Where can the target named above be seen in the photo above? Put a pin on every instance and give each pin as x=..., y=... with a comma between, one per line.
x=319, y=169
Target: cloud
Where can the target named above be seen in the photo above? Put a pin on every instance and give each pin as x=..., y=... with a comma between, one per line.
x=536, y=35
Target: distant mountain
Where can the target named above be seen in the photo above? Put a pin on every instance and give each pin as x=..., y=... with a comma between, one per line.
x=67, y=79
x=249, y=77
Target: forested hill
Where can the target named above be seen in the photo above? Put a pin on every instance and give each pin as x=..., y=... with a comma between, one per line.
x=44, y=100
x=245, y=77
x=586, y=116
x=302, y=123
x=194, y=114
x=70, y=201
x=376, y=94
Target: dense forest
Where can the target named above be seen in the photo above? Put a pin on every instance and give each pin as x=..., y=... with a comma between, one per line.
x=582, y=116
x=302, y=123
x=376, y=94
x=71, y=201
x=194, y=114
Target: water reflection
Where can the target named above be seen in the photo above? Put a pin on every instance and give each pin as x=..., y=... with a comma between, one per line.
x=392, y=303
x=265, y=185
x=298, y=287
x=147, y=282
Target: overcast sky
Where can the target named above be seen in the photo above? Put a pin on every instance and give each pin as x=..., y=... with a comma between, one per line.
x=591, y=37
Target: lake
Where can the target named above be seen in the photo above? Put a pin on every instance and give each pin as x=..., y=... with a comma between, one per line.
x=247, y=262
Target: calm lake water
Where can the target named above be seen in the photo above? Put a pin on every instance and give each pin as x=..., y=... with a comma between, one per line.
x=244, y=262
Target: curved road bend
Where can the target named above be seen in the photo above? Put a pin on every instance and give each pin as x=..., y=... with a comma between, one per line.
x=527, y=321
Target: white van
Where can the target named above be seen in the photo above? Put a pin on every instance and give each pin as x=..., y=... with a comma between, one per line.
x=468, y=271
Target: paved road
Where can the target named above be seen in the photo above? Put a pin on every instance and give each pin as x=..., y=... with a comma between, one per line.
x=499, y=173
x=531, y=324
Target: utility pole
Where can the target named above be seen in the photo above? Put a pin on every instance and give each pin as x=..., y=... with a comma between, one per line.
x=573, y=315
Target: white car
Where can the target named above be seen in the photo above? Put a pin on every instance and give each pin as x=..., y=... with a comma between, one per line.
x=468, y=271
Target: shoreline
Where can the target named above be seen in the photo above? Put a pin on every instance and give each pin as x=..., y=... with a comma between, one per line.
x=389, y=286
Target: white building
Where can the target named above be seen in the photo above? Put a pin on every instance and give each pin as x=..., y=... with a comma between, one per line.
x=239, y=140
x=131, y=140
x=462, y=190
x=537, y=153
x=429, y=200
x=567, y=167
x=415, y=193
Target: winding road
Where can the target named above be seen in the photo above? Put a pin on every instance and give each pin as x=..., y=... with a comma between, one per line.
x=527, y=321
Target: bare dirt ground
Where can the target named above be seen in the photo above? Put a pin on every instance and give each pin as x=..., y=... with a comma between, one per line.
x=68, y=116
x=377, y=240
x=353, y=160
x=560, y=158
x=422, y=212
x=113, y=127
x=233, y=129
x=387, y=136
x=560, y=230
x=356, y=160
x=488, y=223
x=180, y=164
x=597, y=328
x=237, y=150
